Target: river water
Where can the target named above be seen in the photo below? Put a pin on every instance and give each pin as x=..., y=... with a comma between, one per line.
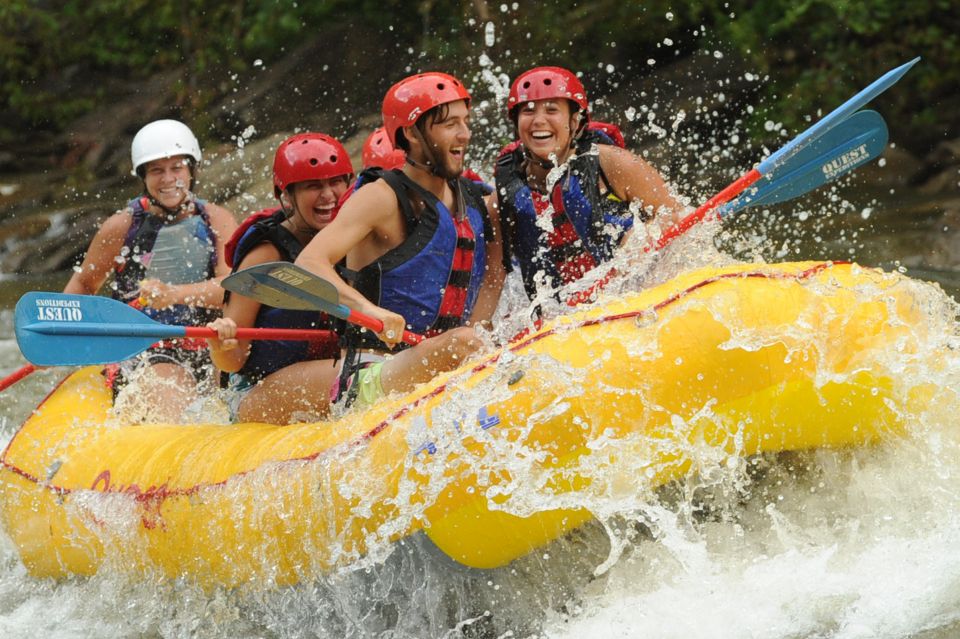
x=849, y=544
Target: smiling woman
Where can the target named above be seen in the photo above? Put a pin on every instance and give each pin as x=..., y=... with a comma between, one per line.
x=273, y=381
x=569, y=195
x=165, y=251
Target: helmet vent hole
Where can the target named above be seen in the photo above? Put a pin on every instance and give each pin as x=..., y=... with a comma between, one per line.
x=441, y=86
x=333, y=159
x=526, y=85
x=314, y=162
x=304, y=141
x=548, y=82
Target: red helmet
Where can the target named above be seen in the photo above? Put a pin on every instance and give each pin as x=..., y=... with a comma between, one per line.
x=543, y=83
x=413, y=96
x=309, y=156
x=612, y=131
x=378, y=151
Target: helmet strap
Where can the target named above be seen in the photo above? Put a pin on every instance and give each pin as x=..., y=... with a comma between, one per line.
x=288, y=203
x=432, y=167
x=294, y=218
x=426, y=167
x=581, y=127
x=535, y=159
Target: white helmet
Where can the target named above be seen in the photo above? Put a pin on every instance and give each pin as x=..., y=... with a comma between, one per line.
x=163, y=139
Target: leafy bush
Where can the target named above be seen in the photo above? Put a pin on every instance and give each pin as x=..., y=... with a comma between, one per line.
x=56, y=54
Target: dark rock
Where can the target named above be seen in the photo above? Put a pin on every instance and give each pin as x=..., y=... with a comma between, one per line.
x=940, y=172
x=49, y=242
x=896, y=168
x=99, y=142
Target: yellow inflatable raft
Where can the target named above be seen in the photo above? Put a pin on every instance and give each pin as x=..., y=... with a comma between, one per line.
x=491, y=461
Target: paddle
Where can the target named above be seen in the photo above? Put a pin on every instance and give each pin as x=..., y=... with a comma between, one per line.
x=852, y=143
x=16, y=376
x=286, y=285
x=793, y=147
x=60, y=329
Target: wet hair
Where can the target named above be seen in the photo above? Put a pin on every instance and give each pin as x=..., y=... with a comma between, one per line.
x=436, y=115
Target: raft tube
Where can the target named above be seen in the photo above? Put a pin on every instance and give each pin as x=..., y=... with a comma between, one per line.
x=492, y=460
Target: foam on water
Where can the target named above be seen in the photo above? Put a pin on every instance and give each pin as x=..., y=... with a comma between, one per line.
x=841, y=544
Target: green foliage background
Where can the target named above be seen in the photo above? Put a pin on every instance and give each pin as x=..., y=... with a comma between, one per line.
x=58, y=58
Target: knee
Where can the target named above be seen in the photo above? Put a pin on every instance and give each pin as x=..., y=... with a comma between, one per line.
x=462, y=341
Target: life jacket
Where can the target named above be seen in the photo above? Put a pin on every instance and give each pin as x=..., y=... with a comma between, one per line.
x=193, y=258
x=433, y=277
x=587, y=224
x=267, y=356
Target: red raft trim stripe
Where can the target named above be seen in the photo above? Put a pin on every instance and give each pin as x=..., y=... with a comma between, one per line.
x=156, y=495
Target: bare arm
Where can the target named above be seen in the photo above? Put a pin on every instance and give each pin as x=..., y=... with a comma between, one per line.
x=223, y=224
x=366, y=227
x=633, y=179
x=489, y=296
x=101, y=255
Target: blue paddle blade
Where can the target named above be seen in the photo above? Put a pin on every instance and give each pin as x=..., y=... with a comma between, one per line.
x=56, y=329
x=835, y=117
x=286, y=285
x=850, y=144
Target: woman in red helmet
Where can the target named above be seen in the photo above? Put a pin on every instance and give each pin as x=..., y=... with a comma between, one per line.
x=279, y=381
x=420, y=243
x=565, y=170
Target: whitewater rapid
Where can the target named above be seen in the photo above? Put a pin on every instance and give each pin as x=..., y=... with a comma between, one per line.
x=849, y=544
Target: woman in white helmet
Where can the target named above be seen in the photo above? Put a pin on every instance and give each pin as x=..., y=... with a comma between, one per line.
x=165, y=251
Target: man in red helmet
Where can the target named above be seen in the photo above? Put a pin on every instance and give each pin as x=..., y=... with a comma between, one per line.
x=379, y=152
x=421, y=246
x=278, y=381
x=555, y=184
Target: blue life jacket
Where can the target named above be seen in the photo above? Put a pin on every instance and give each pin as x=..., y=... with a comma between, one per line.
x=420, y=279
x=588, y=225
x=267, y=356
x=188, y=255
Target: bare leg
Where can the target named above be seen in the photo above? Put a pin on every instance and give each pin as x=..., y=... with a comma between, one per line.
x=300, y=390
x=422, y=362
x=167, y=390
